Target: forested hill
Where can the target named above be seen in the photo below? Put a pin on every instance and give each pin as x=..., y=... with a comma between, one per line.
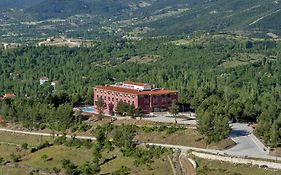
x=218, y=76
x=165, y=17
x=18, y=3
x=65, y=8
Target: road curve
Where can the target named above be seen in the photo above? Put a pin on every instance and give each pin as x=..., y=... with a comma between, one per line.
x=186, y=165
x=183, y=148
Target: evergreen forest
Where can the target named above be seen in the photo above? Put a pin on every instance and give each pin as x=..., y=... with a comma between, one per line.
x=220, y=77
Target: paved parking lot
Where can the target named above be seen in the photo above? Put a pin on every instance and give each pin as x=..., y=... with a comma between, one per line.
x=247, y=143
x=182, y=118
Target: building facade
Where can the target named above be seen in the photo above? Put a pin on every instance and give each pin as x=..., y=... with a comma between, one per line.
x=138, y=94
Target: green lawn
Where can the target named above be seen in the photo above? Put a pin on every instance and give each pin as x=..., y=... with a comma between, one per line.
x=56, y=155
x=7, y=150
x=159, y=166
x=187, y=137
x=12, y=171
x=21, y=138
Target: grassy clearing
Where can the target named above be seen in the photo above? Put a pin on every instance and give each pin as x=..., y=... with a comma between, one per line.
x=116, y=164
x=158, y=167
x=144, y=59
x=57, y=154
x=21, y=138
x=181, y=42
x=242, y=59
x=210, y=167
x=223, y=144
x=187, y=137
x=7, y=150
x=12, y=171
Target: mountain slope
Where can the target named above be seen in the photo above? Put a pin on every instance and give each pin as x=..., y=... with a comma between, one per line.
x=65, y=8
x=220, y=15
x=172, y=17
x=18, y=3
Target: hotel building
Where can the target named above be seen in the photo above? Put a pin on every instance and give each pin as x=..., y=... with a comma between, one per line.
x=138, y=94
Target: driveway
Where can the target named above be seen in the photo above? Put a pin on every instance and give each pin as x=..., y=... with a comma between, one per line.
x=164, y=117
x=247, y=143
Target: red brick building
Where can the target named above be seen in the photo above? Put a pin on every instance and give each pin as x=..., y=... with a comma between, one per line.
x=137, y=94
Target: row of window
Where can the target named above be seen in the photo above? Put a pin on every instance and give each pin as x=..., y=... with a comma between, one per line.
x=113, y=99
x=115, y=93
x=155, y=96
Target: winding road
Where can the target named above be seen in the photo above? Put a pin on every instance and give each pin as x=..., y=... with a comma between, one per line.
x=250, y=147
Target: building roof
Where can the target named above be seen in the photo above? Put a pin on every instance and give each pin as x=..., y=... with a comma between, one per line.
x=136, y=92
x=9, y=95
x=44, y=78
x=134, y=83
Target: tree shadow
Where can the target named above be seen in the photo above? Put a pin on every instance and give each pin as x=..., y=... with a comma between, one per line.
x=238, y=133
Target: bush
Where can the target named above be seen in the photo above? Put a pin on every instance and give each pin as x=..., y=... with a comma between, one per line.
x=1, y=160
x=15, y=158
x=122, y=171
x=43, y=145
x=108, y=145
x=33, y=149
x=84, y=127
x=87, y=143
x=73, y=142
x=60, y=140
x=24, y=146
x=44, y=157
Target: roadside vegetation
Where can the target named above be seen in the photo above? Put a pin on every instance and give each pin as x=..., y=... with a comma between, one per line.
x=121, y=156
x=211, y=167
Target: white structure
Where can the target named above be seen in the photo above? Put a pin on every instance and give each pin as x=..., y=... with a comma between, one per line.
x=134, y=85
x=42, y=80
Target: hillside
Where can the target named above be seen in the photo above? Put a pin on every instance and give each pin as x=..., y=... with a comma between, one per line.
x=18, y=3
x=66, y=8
x=99, y=19
x=170, y=17
x=256, y=16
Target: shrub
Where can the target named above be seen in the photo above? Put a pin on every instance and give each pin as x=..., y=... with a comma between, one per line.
x=122, y=171
x=43, y=145
x=24, y=146
x=60, y=140
x=1, y=160
x=15, y=158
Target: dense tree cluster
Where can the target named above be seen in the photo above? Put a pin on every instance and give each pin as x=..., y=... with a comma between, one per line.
x=39, y=113
x=123, y=108
x=221, y=78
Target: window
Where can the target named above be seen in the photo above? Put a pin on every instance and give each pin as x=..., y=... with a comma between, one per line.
x=112, y=99
x=108, y=98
